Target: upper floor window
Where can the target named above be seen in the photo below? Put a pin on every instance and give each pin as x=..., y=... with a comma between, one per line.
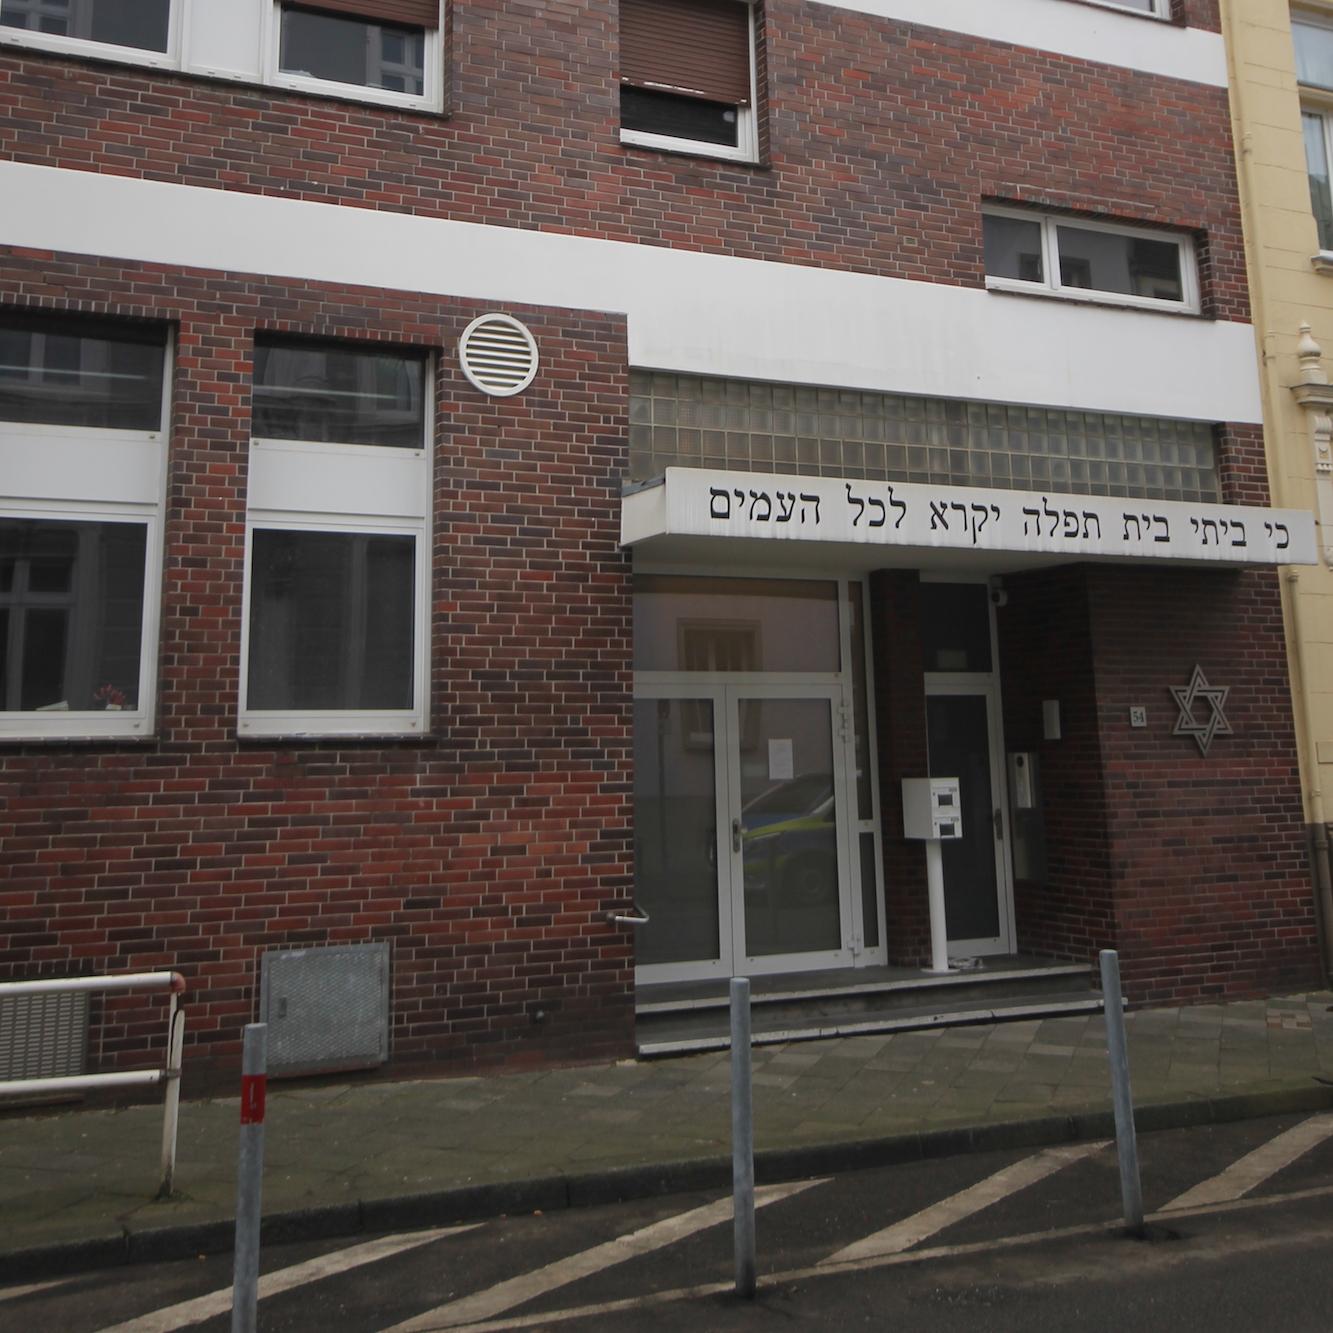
x=141, y=25
x=1314, y=71
x=82, y=451
x=1157, y=8
x=687, y=76
x=338, y=563
x=358, y=43
x=370, y=50
x=1096, y=261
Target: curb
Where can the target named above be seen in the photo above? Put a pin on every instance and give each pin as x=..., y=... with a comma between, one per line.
x=548, y=1193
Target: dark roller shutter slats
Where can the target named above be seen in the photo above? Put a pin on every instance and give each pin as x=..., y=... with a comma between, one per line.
x=415, y=13
x=700, y=48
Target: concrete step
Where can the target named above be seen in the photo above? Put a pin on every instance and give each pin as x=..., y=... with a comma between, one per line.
x=682, y=1023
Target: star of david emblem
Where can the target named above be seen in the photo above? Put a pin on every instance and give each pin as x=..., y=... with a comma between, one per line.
x=1213, y=696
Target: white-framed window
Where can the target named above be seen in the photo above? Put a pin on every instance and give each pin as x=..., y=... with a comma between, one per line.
x=1090, y=261
x=381, y=50
x=144, y=31
x=384, y=51
x=1160, y=9
x=687, y=77
x=335, y=638
x=83, y=443
x=1313, y=38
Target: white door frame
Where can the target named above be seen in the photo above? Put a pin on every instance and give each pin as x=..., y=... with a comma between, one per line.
x=987, y=686
x=732, y=958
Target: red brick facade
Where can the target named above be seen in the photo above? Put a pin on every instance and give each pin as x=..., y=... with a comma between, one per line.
x=880, y=143
x=487, y=853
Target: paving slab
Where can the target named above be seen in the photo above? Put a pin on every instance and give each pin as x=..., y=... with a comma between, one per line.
x=77, y=1184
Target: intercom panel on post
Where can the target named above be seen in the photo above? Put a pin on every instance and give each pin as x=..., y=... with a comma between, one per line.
x=932, y=809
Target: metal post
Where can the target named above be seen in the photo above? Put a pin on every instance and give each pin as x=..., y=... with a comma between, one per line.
x=249, y=1178
x=742, y=1137
x=172, y=1100
x=939, y=934
x=1127, y=1148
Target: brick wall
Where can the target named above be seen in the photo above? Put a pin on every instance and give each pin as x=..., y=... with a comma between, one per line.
x=1213, y=882
x=486, y=852
x=900, y=719
x=1195, y=868
x=880, y=142
x=1045, y=650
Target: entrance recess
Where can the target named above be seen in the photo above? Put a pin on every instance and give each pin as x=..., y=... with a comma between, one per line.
x=741, y=843
x=756, y=836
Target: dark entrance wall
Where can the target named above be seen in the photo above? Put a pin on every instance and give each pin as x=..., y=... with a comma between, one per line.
x=1195, y=868
x=1209, y=854
x=900, y=726
x=1045, y=650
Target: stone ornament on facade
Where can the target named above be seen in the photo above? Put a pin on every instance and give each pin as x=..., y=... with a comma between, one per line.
x=1214, y=697
x=1315, y=395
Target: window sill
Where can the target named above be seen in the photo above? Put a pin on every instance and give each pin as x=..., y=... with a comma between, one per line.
x=660, y=143
x=1322, y=261
x=1083, y=297
x=74, y=729
x=288, y=728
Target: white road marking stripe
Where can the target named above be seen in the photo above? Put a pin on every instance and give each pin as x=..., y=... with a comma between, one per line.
x=504, y=1296
x=913, y=1230
x=196, y=1311
x=1254, y=1168
x=710, y=1289
x=13, y=1293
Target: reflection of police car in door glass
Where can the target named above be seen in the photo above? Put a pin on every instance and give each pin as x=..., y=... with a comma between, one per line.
x=790, y=842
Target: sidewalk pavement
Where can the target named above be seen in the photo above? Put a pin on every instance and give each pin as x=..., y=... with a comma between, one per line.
x=77, y=1186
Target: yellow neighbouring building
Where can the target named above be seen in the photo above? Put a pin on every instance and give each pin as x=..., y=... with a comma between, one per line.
x=1281, y=68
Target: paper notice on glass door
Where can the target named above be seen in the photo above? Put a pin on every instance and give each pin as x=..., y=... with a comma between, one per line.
x=780, y=765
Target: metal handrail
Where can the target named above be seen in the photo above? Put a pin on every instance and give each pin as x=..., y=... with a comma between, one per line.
x=170, y=1075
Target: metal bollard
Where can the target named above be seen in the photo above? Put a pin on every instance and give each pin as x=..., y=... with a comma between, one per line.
x=742, y=1138
x=1117, y=1052
x=249, y=1179
x=172, y=1101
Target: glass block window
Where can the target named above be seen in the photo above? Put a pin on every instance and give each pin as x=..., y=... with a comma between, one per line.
x=748, y=426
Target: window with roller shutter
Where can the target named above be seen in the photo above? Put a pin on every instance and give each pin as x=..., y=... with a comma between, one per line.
x=687, y=76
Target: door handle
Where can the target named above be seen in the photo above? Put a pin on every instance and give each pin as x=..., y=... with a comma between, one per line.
x=735, y=835
x=999, y=825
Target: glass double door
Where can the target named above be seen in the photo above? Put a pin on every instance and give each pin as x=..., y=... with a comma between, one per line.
x=741, y=833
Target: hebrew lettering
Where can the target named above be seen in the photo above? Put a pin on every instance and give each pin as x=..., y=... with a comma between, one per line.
x=755, y=497
x=1090, y=518
x=855, y=500
x=883, y=513
x=939, y=515
x=786, y=506
x=809, y=499
x=716, y=497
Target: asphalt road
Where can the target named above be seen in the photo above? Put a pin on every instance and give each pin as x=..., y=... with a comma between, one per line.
x=1241, y=1218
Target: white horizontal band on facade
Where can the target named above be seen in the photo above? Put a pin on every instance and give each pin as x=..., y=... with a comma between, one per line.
x=687, y=312
x=1068, y=27
x=880, y=517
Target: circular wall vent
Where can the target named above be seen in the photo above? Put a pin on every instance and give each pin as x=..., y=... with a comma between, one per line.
x=498, y=355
